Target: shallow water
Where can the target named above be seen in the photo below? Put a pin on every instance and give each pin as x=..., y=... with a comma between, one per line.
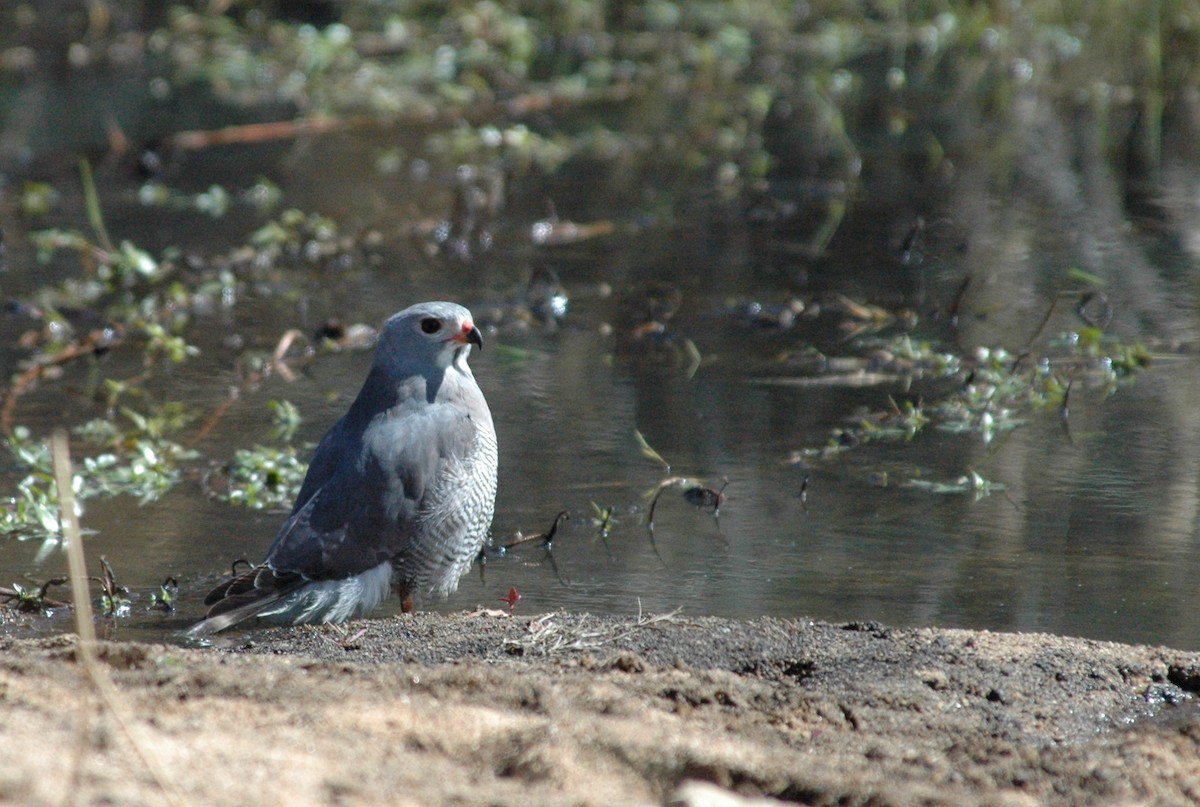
x=1094, y=535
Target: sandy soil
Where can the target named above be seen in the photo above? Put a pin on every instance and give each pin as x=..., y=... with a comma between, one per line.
x=565, y=709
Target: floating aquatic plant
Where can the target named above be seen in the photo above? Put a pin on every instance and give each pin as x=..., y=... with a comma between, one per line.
x=260, y=478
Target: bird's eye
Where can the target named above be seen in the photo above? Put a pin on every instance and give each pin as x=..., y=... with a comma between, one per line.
x=431, y=325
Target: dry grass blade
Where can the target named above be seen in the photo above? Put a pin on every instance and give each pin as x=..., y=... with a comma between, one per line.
x=73, y=542
x=89, y=659
x=92, y=202
x=551, y=634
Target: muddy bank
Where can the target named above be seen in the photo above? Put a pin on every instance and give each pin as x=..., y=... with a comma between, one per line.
x=558, y=709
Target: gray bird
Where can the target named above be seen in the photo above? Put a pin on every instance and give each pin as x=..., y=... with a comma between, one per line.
x=400, y=492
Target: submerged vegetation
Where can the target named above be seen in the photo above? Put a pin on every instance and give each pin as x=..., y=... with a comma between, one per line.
x=765, y=113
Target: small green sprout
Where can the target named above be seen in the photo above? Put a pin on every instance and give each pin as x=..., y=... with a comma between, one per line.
x=32, y=600
x=164, y=598
x=38, y=199
x=285, y=420
x=649, y=452
x=603, y=521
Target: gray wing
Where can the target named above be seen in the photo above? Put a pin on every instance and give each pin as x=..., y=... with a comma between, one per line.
x=364, y=493
x=296, y=554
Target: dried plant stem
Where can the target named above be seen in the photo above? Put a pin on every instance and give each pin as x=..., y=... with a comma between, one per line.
x=551, y=634
x=89, y=659
x=73, y=541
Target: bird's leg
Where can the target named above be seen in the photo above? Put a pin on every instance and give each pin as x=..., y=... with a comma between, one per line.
x=406, y=597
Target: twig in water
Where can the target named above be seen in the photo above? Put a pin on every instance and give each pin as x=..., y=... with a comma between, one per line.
x=547, y=540
x=1064, y=412
x=32, y=599
x=1028, y=351
x=278, y=363
x=91, y=344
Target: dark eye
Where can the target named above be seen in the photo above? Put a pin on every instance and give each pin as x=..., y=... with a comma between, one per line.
x=431, y=325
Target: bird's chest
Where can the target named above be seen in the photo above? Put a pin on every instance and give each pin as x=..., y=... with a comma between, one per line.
x=410, y=464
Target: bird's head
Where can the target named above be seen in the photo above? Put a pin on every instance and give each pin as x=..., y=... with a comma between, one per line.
x=427, y=336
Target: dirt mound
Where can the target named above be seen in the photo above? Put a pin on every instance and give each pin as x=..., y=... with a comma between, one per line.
x=480, y=709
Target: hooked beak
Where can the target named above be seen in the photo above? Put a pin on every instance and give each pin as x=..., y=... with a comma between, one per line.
x=469, y=335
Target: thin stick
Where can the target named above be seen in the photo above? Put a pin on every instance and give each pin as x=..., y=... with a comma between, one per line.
x=73, y=541
x=520, y=106
x=263, y=132
x=85, y=346
x=214, y=418
x=1024, y=354
x=73, y=544
x=277, y=363
x=85, y=627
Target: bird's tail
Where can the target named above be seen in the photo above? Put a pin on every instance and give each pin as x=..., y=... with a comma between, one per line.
x=243, y=597
x=290, y=598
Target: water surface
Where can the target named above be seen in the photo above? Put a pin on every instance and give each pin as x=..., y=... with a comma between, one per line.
x=1094, y=534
